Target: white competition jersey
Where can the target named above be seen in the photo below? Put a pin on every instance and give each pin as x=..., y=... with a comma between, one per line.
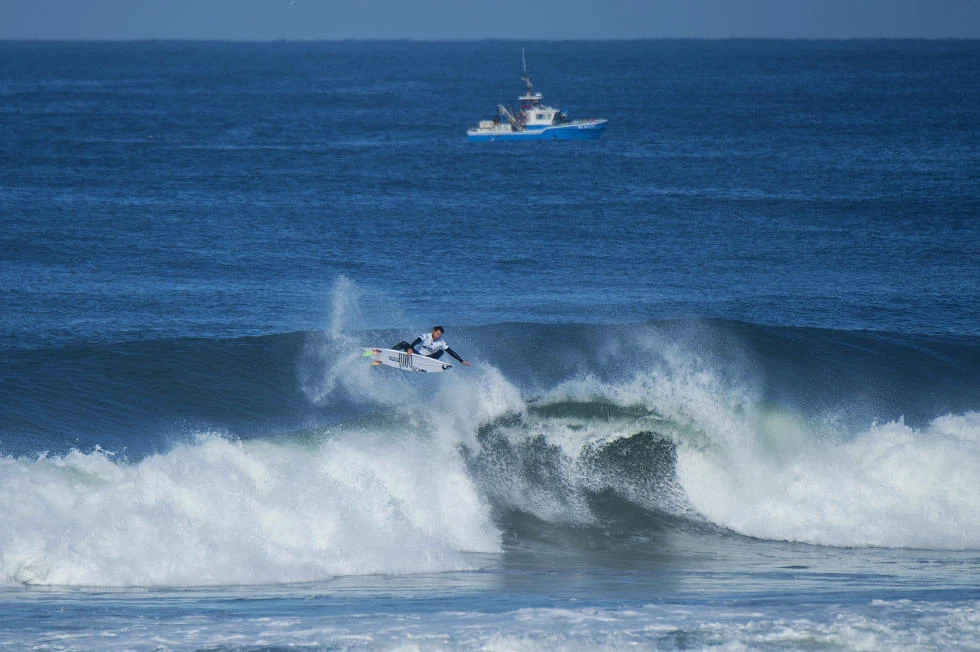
x=428, y=346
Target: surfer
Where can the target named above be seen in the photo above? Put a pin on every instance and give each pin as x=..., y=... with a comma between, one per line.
x=430, y=345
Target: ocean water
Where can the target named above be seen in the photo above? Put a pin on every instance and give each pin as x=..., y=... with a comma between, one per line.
x=725, y=389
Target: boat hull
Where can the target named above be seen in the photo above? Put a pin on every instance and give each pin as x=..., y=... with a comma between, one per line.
x=577, y=130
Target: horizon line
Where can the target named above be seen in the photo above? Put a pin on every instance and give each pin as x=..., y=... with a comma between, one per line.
x=481, y=39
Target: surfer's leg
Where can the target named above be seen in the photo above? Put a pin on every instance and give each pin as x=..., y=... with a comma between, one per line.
x=437, y=354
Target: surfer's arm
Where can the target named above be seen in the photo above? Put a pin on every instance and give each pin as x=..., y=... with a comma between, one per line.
x=415, y=342
x=457, y=356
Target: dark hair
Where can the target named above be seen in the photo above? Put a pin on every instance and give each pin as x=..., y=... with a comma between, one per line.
x=440, y=329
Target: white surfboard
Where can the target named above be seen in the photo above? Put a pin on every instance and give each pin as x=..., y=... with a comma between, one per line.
x=405, y=362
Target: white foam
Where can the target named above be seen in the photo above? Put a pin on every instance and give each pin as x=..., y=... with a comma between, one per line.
x=879, y=625
x=225, y=512
x=892, y=486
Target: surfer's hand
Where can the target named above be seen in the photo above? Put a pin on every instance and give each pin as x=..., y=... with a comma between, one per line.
x=466, y=364
x=409, y=351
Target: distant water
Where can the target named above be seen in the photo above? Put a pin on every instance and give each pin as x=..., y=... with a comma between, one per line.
x=726, y=361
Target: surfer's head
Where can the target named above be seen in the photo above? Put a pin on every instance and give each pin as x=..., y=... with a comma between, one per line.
x=437, y=332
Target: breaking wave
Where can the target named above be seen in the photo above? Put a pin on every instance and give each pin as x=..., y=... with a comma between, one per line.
x=287, y=458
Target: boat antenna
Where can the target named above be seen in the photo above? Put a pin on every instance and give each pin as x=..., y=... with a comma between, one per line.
x=527, y=80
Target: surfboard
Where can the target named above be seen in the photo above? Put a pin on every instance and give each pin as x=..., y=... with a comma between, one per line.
x=405, y=362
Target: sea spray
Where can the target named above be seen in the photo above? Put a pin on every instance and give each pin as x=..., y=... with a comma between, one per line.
x=328, y=355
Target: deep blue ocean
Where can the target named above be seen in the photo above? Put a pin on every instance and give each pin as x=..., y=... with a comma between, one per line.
x=725, y=389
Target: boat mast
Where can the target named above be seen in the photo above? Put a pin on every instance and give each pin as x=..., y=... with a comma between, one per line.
x=527, y=80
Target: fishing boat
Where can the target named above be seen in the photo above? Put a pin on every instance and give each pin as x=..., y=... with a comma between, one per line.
x=534, y=120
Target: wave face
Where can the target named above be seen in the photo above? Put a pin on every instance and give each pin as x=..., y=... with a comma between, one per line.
x=288, y=458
